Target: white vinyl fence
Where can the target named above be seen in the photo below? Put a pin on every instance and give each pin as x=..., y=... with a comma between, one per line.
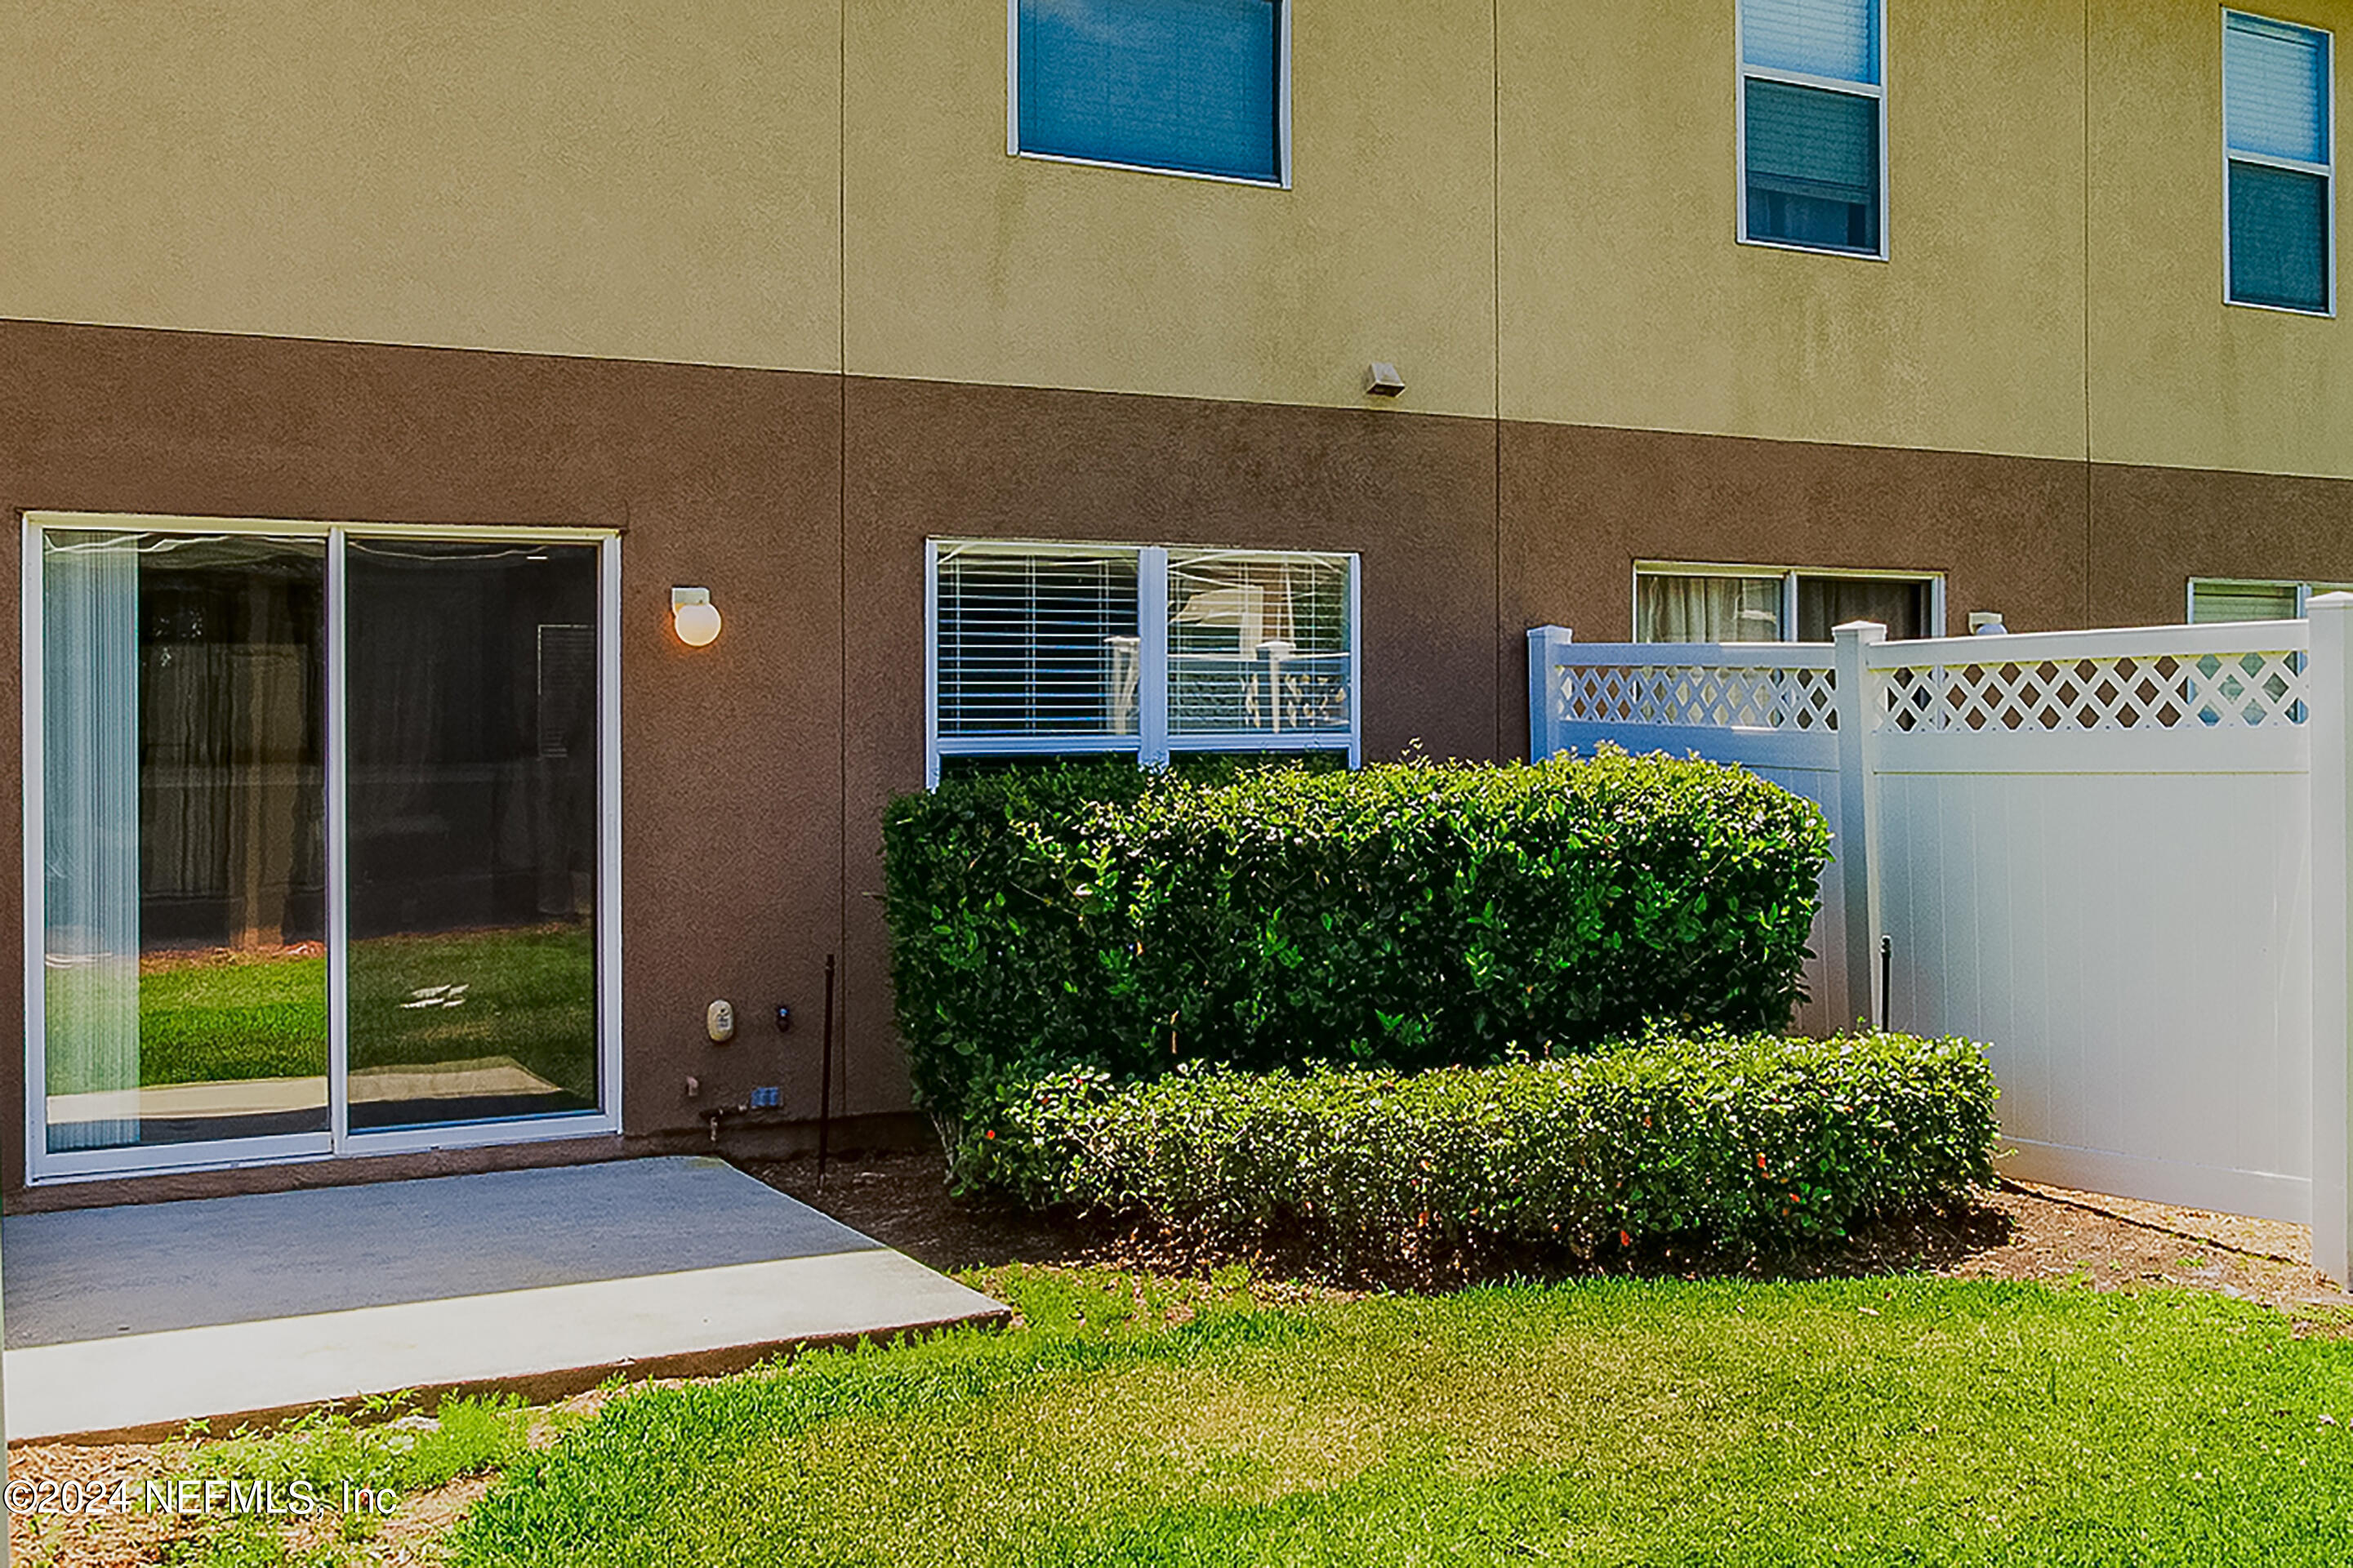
x=2118, y=858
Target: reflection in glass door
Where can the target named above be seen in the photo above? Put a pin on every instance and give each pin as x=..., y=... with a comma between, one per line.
x=471, y=730
x=325, y=840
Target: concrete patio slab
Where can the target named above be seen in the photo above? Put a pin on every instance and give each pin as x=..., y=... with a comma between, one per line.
x=136, y=1320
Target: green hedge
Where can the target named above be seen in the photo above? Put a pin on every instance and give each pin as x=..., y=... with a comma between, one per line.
x=1764, y=1142
x=1410, y=915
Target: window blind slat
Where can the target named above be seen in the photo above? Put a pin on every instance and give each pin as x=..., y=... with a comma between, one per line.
x=1834, y=38
x=1191, y=85
x=2279, y=237
x=1812, y=165
x=2214, y=601
x=2276, y=86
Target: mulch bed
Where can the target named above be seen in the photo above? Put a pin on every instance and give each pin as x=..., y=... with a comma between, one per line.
x=2019, y=1232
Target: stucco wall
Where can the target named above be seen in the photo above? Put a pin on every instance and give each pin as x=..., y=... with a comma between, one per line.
x=2178, y=377
x=969, y=265
x=670, y=181
x=634, y=179
x=1629, y=301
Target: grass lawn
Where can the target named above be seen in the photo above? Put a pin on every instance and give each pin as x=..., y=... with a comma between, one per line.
x=1135, y=1420
x=529, y=993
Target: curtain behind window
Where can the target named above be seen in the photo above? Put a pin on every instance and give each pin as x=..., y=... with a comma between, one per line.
x=90, y=780
x=1826, y=602
x=1670, y=608
x=1813, y=166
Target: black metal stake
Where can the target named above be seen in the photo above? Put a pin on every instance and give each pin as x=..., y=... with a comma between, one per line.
x=825, y=1077
x=1886, y=981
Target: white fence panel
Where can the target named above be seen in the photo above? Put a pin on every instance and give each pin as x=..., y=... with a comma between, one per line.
x=2092, y=850
x=2118, y=858
x=1768, y=707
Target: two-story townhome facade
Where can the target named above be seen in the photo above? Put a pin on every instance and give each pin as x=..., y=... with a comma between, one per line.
x=505, y=494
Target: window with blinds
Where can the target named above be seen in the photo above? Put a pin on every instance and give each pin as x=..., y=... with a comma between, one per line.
x=1055, y=649
x=2276, y=134
x=2213, y=599
x=1191, y=87
x=1033, y=645
x=1813, y=125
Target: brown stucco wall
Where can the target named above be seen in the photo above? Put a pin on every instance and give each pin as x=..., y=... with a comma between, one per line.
x=752, y=790
x=2154, y=529
x=731, y=757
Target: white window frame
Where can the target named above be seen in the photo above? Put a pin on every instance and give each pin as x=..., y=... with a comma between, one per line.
x=338, y=1142
x=1153, y=744
x=1788, y=576
x=1281, y=182
x=1743, y=72
x=2304, y=590
x=2327, y=173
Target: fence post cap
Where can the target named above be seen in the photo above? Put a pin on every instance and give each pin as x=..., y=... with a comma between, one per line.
x=1869, y=631
x=2334, y=603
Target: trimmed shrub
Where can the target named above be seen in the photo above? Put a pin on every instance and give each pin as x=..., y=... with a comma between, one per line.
x=1758, y=1143
x=1408, y=916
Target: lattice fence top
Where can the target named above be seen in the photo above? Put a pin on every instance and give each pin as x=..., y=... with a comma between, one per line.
x=2144, y=692
x=1694, y=696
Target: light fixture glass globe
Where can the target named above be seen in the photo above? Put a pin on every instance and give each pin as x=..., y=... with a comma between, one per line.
x=697, y=625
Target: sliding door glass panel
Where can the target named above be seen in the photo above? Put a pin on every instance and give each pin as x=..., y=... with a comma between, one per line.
x=473, y=831
x=184, y=857
x=1825, y=603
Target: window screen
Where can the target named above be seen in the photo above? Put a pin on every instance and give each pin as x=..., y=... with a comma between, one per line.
x=1193, y=86
x=1036, y=644
x=2275, y=130
x=1811, y=152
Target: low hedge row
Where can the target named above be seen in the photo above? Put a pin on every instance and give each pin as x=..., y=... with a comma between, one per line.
x=1756, y=1143
x=1405, y=916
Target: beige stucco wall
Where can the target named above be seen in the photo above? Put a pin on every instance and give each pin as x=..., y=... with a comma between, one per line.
x=1629, y=301
x=665, y=180
x=967, y=264
x=651, y=179
x=2178, y=378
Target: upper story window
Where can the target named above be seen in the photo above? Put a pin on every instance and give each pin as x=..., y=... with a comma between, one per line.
x=1813, y=125
x=2278, y=136
x=1675, y=602
x=1184, y=87
x=1042, y=650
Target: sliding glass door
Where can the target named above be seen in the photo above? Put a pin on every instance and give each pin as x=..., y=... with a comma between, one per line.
x=324, y=825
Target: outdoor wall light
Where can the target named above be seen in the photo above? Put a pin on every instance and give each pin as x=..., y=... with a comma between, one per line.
x=1382, y=380
x=694, y=616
